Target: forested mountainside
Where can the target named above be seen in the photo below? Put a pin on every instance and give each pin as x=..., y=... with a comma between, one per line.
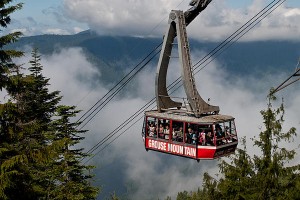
x=114, y=54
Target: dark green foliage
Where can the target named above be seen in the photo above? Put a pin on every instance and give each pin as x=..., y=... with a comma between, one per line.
x=38, y=141
x=73, y=177
x=266, y=176
x=6, y=11
x=7, y=54
x=38, y=156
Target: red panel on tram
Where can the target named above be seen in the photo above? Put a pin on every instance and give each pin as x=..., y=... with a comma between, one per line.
x=192, y=138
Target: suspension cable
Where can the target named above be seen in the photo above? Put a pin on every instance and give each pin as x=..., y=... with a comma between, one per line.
x=97, y=107
x=215, y=52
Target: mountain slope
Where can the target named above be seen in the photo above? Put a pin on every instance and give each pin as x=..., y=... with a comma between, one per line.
x=114, y=55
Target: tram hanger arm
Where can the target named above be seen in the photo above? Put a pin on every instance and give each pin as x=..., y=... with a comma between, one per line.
x=193, y=12
x=178, y=20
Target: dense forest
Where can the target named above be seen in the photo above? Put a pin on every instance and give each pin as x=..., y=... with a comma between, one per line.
x=38, y=157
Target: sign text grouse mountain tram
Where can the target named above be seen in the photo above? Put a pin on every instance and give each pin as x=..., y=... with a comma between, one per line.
x=194, y=129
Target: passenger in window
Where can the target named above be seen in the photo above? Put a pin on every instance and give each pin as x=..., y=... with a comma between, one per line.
x=194, y=137
x=166, y=132
x=152, y=130
x=161, y=131
x=189, y=135
x=220, y=135
x=178, y=134
x=227, y=135
x=202, y=137
x=174, y=134
x=209, y=139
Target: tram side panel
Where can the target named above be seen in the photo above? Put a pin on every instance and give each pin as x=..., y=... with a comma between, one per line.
x=174, y=138
x=189, y=151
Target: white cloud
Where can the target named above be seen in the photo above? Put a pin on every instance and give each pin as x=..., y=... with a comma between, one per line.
x=152, y=173
x=55, y=31
x=158, y=176
x=129, y=17
x=141, y=18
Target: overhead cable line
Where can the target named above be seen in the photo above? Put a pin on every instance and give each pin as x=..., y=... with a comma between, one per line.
x=233, y=37
x=288, y=81
x=94, y=110
x=176, y=82
x=102, y=102
x=206, y=60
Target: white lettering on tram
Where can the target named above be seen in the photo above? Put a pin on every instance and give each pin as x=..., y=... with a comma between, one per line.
x=172, y=148
x=158, y=145
x=190, y=151
x=176, y=149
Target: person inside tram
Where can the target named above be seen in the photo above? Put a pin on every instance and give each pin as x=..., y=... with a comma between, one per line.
x=189, y=135
x=180, y=134
x=194, y=137
x=227, y=135
x=174, y=133
x=152, y=130
x=220, y=135
x=209, y=139
x=166, y=132
x=161, y=131
x=231, y=135
x=202, y=136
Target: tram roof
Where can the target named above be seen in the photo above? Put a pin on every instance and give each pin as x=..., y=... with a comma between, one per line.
x=178, y=115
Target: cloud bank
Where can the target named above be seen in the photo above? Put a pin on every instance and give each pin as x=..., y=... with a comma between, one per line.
x=150, y=175
x=219, y=20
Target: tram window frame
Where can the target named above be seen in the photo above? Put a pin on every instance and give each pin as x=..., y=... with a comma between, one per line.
x=227, y=138
x=195, y=129
x=164, y=122
x=149, y=121
x=206, y=128
x=232, y=135
x=218, y=139
x=178, y=124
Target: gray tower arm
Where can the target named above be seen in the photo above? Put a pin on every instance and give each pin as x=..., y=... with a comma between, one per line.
x=177, y=27
x=197, y=7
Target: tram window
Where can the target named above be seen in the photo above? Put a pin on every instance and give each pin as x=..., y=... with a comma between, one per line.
x=225, y=133
x=220, y=134
x=191, y=133
x=177, y=131
x=160, y=130
x=230, y=131
x=202, y=134
x=152, y=127
x=164, y=129
x=167, y=132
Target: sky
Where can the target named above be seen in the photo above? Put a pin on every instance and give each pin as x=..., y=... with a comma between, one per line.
x=139, y=18
x=125, y=163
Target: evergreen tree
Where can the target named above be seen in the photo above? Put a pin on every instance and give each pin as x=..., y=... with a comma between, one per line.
x=72, y=177
x=265, y=176
x=40, y=151
x=38, y=159
x=9, y=158
x=58, y=174
x=6, y=55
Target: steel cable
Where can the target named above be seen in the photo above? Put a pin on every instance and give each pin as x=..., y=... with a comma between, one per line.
x=216, y=51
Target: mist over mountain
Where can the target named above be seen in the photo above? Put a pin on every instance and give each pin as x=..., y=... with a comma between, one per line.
x=114, y=55
x=125, y=167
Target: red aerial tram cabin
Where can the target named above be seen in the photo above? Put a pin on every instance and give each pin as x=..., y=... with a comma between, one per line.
x=176, y=133
x=192, y=129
